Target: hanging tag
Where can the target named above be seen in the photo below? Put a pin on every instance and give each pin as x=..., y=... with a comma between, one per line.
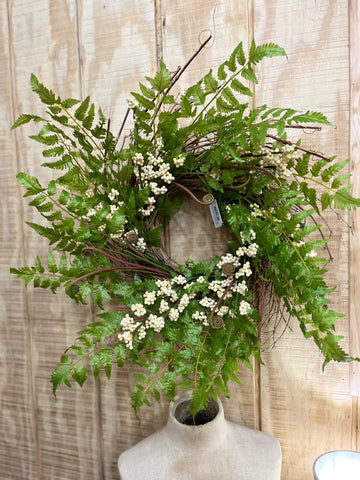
x=215, y=213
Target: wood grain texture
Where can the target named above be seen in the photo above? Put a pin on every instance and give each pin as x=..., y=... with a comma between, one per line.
x=118, y=48
x=18, y=425
x=192, y=234
x=354, y=264
x=103, y=49
x=310, y=412
x=44, y=42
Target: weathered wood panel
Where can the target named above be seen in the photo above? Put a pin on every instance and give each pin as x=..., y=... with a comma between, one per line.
x=44, y=42
x=103, y=49
x=310, y=412
x=18, y=451
x=354, y=265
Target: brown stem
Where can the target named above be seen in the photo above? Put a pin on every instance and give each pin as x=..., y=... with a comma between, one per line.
x=176, y=77
x=189, y=193
x=173, y=75
x=253, y=167
x=133, y=249
x=122, y=126
x=221, y=299
x=134, y=266
x=302, y=127
x=182, y=70
x=262, y=306
x=297, y=147
x=107, y=134
x=237, y=187
x=95, y=272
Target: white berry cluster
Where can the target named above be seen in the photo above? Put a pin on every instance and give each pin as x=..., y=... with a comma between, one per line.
x=138, y=309
x=220, y=286
x=201, y=317
x=171, y=305
x=235, y=278
x=244, y=307
x=128, y=329
x=171, y=297
x=152, y=170
x=132, y=103
x=179, y=160
x=278, y=159
x=93, y=211
x=155, y=322
x=115, y=204
x=255, y=210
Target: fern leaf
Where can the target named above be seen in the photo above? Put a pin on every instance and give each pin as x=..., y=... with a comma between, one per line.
x=239, y=87
x=302, y=165
x=62, y=164
x=210, y=83
x=340, y=180
x=162, y=79
x=249, y=74
x=316, y=168
x=82, y=109
x=31, y=184
x=52, y=263
x=223, y=107
x=239, y=54
x=79, y=374
x=344, y=200
x=310, y=116
x=26, y=118
x=69, y=102
x=147, y=92
x=95, y=365
x=187, y=108
x=257, y=53
x=53, y=152
x=51, y=234
x=60, y=376
x=46, y=140
x=105, y=356
x=143, y=101
x=88, y=120
x=46, y=96
x=229, y=97
x=328, y=173
x=221, y=73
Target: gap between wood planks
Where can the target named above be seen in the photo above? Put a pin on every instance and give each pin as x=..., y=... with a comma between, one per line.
x=159, y=26
x=100, y=443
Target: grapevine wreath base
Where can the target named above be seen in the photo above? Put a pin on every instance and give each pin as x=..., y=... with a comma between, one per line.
x=188, y=326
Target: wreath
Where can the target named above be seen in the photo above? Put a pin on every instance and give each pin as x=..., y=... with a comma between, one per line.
x=189, y=326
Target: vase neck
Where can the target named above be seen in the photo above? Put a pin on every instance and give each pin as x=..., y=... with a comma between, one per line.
x=208, y=435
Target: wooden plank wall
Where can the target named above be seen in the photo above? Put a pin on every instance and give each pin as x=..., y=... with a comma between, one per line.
x=102, y=49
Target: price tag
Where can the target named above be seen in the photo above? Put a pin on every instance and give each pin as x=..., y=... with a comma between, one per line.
x=215, y=214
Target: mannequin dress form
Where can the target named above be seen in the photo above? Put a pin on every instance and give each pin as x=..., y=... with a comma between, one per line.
x=216, y=450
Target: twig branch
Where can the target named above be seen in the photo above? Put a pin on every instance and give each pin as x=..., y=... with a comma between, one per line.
x=189, y=193
x=134, y=266
x=306, y=150
x=122, y=126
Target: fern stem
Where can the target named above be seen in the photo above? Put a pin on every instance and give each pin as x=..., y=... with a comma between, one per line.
x=219, y=91
x=158, y=376
x=82, y=129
